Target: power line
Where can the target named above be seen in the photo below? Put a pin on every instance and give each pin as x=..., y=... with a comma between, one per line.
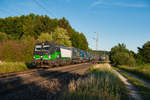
x=9, y=12
x=97, y=40
x=46, y=3
x=18, y=12
x=44, y=8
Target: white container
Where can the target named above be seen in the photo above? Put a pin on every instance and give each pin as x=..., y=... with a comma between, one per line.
x=65, y=53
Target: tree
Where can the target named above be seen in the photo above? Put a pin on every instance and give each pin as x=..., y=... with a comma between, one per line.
x=45, y=37
x=83, y=43
x=120, y=55
x=79, y=41
x=144, y=53
x=29, y=26
x=60, y=37
x=33, y=25
x=3, y=36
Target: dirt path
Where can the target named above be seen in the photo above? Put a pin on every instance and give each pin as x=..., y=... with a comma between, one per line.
x=132, y=91
x=134, y=76
x=42, y=85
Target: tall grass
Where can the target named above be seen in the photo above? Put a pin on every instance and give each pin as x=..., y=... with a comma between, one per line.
x=143, y=71
x=6, y=67
x=17, y=51
x=100, y=84
x=140, y=86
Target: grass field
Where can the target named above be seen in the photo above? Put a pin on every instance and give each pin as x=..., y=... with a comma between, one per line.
x=142, y=71
x=6, y=67
x=100, y=84
x=142, y=89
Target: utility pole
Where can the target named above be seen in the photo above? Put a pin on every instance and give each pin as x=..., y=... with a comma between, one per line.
x=97, y=40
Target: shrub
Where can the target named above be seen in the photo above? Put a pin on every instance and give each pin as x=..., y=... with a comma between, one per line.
x=6, y=67
x=3, y=36
x=13, y=51
x=119, y=55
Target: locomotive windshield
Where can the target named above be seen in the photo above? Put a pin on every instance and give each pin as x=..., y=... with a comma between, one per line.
x=42, y=48
x=38, y=47
x=46, y=47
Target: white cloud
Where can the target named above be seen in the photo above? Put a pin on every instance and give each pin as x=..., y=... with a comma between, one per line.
x=97, y=3
x=136, y=5
x=121, y=4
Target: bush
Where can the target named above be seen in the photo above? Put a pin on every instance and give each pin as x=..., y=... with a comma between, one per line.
x=3, y=36
x=7, y=67
x=12, y=51
x=119, y=55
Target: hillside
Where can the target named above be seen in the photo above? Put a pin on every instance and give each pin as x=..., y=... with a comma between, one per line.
x=33, y=25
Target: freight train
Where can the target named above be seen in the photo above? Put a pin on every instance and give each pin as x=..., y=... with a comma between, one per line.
x=48, y=53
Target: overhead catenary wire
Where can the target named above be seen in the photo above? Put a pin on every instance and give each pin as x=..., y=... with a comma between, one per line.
x=9, y=12
x=41, y=6
x=45, y=2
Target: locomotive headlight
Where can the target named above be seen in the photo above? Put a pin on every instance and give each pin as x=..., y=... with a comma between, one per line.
x=49, y=56
x=40, y=56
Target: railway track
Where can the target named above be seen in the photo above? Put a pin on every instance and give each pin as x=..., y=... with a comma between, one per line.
x=30, y=71
x=23, y=81
x=5, y=75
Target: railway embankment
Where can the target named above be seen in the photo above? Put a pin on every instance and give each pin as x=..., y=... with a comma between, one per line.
x=40, y=85
x=7, y=67
x=101, y=83
x=71, y=82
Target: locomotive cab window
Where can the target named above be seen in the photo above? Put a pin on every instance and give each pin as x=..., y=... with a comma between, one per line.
x=38, y=47
x=46, y=47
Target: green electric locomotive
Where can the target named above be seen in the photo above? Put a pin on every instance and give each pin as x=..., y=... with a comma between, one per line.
x=48, y=53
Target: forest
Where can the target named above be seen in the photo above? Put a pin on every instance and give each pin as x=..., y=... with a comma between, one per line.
x=19, y=34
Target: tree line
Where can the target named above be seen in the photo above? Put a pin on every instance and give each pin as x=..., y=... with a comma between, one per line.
x=18, y=27
x=19, y=34
x=120, y=55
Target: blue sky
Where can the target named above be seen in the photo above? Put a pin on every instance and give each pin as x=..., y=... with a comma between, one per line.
x=116, y=21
